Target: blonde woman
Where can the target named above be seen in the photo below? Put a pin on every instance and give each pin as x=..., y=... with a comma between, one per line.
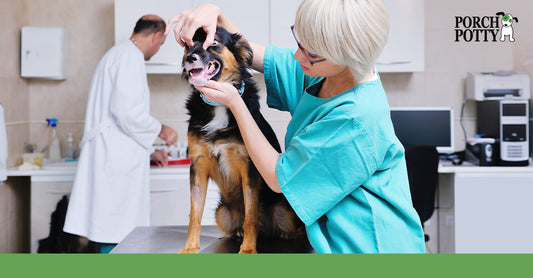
x=343, y=170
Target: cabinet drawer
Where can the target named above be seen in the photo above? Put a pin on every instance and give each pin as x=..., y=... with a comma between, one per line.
x=170, y=203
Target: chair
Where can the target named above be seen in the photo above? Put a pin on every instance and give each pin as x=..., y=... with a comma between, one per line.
x=422, y=169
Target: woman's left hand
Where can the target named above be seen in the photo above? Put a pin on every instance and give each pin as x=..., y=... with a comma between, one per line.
x=220, y=92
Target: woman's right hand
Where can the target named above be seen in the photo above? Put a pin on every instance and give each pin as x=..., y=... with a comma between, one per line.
x=188, y=21
x=208, y=17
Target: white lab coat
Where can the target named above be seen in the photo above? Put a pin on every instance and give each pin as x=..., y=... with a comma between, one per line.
x=110, y=195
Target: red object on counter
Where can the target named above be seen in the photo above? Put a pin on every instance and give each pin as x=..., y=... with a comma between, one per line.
x=184, y=161
x=179, y=161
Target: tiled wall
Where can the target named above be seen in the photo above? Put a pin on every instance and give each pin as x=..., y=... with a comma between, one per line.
x=91, y=25
x=441, y=84
x=14, y=96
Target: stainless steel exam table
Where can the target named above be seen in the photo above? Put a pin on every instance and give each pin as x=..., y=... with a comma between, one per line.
x=170, y=239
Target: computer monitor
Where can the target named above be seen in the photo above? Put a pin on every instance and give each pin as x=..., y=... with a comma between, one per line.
x=425, y=126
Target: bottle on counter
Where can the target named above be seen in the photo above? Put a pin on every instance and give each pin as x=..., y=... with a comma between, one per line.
x=54, y=150
x=182, y=151
x=173, y=151
x=70, y=153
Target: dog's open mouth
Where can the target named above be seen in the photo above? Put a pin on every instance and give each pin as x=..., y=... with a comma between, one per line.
x=199, y=74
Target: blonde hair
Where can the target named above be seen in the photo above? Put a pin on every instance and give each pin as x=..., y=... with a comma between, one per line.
x=346, y=32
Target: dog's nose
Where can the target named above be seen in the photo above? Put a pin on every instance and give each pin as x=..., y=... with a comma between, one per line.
x=191, y=58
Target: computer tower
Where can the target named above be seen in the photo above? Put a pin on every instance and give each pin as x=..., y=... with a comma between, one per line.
x=508, y=122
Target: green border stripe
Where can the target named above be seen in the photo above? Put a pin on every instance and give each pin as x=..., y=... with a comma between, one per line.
x=265, y=265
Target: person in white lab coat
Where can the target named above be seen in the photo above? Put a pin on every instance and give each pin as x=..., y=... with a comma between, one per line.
x=110, y=195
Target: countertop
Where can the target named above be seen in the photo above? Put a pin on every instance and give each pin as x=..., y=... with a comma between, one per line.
x=71, y=170
x=66, y=171
x=170, y=239
x=446, y=167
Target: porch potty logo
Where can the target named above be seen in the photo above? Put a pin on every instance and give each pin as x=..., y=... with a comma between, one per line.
x=485, y=28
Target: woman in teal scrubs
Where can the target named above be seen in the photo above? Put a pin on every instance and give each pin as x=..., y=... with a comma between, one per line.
x=343, y=170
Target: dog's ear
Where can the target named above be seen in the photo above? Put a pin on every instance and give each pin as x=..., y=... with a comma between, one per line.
x=199, y=35
x=500, y=13
x=515, y=19
x=242, y=49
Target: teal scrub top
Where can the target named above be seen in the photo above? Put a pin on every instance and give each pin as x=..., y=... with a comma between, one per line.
x=343, y=171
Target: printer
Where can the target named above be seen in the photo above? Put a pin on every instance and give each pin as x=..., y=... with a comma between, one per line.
x=500, y=85
x=502, y=100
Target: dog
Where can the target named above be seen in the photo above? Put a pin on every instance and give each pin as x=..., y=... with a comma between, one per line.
x=60, y=242
x=247, y=207
x=507, y=28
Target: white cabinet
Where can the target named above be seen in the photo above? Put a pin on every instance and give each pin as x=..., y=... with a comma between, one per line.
x=493, y=213
x=282, y=15
x=251, y=16
x=170, y=201
x=404, y=51
x=253, y=24
x=267, y=22
x=45, y=194
x=486, y=212
x=127, y=12
x=44, y=52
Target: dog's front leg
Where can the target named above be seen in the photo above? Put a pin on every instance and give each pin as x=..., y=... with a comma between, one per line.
x=251, y=215
x=198, y=183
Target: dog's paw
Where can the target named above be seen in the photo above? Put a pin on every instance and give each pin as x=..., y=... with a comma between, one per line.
x=248, y=251
x=189, y=251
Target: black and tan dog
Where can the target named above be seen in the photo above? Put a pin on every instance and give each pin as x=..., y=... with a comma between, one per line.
x=247, y=207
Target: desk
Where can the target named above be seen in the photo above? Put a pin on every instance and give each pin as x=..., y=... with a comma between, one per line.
x=485, y=209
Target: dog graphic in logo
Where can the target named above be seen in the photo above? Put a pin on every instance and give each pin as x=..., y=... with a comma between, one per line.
x=507, y=28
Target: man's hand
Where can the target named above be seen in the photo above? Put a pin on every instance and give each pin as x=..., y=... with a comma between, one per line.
x=168, y=135
x=160, y=157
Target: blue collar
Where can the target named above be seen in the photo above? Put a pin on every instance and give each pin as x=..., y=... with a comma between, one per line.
x=214, y=103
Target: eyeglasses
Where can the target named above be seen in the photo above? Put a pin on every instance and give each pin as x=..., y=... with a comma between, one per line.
x=308, y=55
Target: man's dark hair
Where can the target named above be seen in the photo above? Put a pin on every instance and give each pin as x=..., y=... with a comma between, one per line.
x=149, y=26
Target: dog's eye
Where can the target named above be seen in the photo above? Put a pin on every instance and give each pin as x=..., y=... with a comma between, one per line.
x=215, y=43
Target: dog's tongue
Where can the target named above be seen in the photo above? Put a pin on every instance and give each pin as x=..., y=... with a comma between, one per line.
x=200, y=76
